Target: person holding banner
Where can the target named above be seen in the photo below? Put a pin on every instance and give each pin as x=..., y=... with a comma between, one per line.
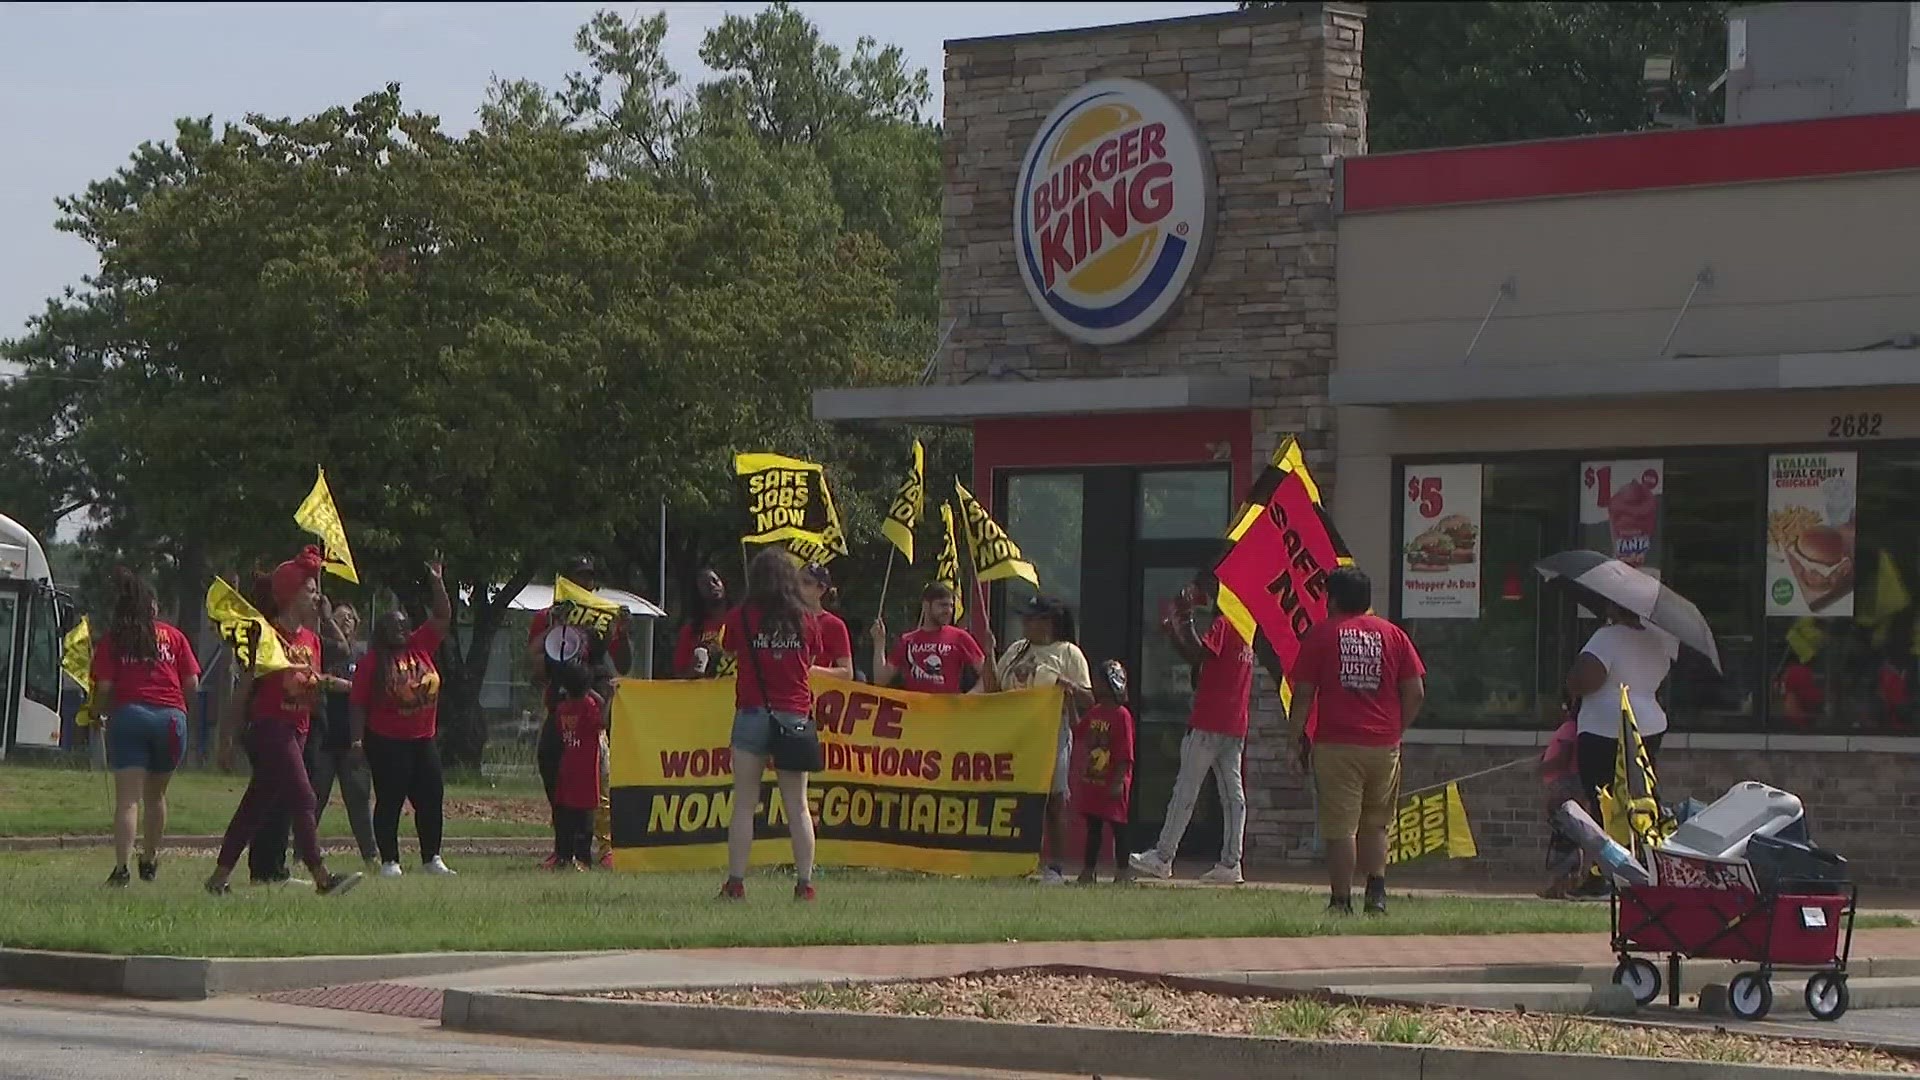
x=278, y=708
x=1370, y=684
x=1216, y=740
x=1047, y=656
x=776, y=641
x=836, y=644
x=606, y=656
x=935, y=657
x=697, y=653
x=143, y=669
x=395, y=710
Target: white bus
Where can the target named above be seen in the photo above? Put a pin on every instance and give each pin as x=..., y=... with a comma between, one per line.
x=32, y=619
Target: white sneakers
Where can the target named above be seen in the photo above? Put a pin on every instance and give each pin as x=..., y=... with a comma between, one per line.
x=1053, y=876
x=436, y=867
x=1151, y=864
x=391, y=870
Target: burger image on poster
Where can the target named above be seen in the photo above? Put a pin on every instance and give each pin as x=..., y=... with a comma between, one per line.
x=1113, y=211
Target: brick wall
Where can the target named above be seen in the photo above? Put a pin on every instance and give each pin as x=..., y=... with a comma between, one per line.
x=1865, y=806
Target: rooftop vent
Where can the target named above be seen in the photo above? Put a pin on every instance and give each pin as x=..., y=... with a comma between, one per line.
x=1805, y=61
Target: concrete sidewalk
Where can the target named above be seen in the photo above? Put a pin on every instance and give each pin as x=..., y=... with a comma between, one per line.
x=1220, y=955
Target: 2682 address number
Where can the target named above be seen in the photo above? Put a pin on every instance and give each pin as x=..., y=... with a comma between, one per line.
x=1854, y=426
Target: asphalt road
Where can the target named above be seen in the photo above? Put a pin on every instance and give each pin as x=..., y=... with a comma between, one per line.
x=45, y=1037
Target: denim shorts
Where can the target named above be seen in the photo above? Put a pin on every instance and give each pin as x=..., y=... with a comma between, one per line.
x=149, y=737
x=753, y=730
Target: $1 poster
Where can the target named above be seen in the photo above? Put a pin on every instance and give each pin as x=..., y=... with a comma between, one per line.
x=1440, y=547
x=1620, y=507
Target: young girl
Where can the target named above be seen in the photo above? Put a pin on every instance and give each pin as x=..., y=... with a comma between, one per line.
x=1100, y=790
x=580, y=717
x=1560, y=781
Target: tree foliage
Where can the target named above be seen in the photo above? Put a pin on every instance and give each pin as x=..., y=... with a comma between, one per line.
x=506, y=347
x=1462, y=74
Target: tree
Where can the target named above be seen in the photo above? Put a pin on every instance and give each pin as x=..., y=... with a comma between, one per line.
x=1462, y=74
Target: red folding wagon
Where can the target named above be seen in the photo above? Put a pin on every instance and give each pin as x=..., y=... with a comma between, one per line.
x=1795, y=925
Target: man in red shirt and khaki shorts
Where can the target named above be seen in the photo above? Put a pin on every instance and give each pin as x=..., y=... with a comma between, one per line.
x=1369, y=683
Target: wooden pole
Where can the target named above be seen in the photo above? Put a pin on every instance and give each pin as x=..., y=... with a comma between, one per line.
x=885, y=581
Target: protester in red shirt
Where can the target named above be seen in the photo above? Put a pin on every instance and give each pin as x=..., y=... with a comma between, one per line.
x=1216, y=740
x=143, y=670
x=699, y=653
x=278, y=707
x=836, y=645
x=1369, y=684
x=606, y=657
x=395, y=715
x=936, y=657
x=1103, y=745
x=581, y=718
x=777, y=643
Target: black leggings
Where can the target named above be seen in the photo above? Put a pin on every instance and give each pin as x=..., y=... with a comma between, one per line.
x=1115, y=829
x=572, y=836
x=1596, y=755
x=406, y=771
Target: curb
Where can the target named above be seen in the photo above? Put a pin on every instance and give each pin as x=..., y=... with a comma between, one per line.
x=331, y=844
x=987, y=1044
x=185, y=978
x=1694, y=974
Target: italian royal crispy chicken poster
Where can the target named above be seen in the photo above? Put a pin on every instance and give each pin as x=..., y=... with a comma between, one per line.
x=1440, y=552
x=1810, y=533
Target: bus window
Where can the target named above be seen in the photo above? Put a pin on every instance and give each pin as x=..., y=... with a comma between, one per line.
x=9, y=690
x=42, y=674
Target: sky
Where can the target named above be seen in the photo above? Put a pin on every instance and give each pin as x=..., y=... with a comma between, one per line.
x=83, y=84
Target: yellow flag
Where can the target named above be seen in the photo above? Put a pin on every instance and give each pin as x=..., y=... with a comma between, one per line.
x=995, y=555
x=254, y=641
x=319, y=516
x=946, y=570
x=76, y=659
x=1432, y=822
x=1890, y=598
x=566, y=592
x=786, y=499
x=1805, y=637
x=831, y=545
x=909, y=504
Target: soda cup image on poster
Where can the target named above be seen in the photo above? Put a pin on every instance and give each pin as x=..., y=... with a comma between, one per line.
x=1620, y=504
x=1811, y=530
x=1440, y=543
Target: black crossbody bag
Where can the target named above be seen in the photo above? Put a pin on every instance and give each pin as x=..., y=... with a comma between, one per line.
x=795, y=743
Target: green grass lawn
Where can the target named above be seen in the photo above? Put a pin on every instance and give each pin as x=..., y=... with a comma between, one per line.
x=55, y=900
x=37, y=800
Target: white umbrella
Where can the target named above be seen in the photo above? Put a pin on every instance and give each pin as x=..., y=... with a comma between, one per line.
x=540, y=598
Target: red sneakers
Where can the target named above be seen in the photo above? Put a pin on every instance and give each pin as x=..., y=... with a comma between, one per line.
x=549, y=862
x=803, y=891
x=733, y=890
x=606, y=860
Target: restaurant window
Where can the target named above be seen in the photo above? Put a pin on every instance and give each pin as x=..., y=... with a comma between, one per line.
x=1498, y=668
x=1713, y=527
x=1184, y=504
x=1850, y=667
x=1046, y=511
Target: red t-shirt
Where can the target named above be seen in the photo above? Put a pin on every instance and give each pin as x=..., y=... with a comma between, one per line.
x=288, y=696
x=710, y=634
x=836, y=645
x=1356, y=665
x=934, y=661
x=783, y=662
x=580, y=720
x=1103, y=754
x=409, y=706
x=1226, y=680
x=158, y=682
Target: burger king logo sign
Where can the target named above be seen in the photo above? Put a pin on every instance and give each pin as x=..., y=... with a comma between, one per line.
x=1112, y=211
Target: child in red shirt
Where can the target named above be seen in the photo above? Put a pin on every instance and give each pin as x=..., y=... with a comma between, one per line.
x=580, y=717
x=1100, y=789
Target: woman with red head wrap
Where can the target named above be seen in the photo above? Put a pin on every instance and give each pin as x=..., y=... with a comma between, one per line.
x=277, y=708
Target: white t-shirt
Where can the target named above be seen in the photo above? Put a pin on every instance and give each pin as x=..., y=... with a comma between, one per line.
x=1638, y=658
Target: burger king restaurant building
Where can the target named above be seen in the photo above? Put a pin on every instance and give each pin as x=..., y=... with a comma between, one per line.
x=1166, y=249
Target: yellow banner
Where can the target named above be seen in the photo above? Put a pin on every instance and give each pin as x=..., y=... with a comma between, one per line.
x=994, y=553
x=786, y=499
x=319, y=516
x=909, y=504
x=584, y=608
x=942, y=784
x=831, y=545
x=946, y=570
x=1431, y=823
x=255, y=644
x=76, y=659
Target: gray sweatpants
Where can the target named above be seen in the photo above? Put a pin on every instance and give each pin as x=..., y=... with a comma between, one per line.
x=1202, y=752
x=356, y=791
